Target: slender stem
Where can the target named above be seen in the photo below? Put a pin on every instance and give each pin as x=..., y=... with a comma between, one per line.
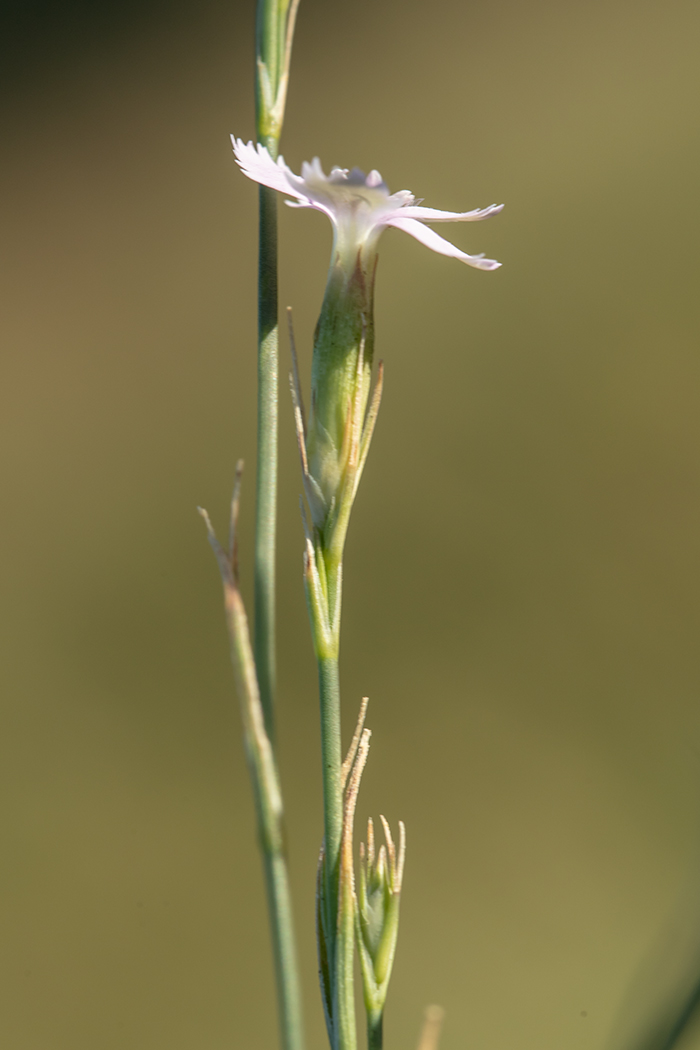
x=375, y=1032
x=266, y=501
x=284, y=951
x=274, y=31
x=329, y=689
x=267, y=32
x=254, y=665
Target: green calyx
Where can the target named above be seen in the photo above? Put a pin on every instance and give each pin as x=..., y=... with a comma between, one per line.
x=341, y=376
x=334, y=445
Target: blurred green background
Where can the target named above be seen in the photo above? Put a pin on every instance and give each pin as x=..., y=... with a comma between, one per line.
x=523, y=564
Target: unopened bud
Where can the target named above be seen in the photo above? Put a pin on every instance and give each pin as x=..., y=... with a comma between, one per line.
x=377, y=927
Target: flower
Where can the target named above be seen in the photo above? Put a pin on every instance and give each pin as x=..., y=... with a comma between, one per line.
x=335, y=441
x=359, y=206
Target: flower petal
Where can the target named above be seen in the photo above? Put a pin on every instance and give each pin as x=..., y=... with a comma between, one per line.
x=358, y=205
x=258, y=165
x=433, y=240
x=435, y=215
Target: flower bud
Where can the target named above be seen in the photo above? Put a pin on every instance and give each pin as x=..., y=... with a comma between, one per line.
x=377, y=925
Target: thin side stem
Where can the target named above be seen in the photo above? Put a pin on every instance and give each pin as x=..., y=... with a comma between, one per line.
x=279, y=903
x=268, y=804
x=266, y=791
x=266, y=480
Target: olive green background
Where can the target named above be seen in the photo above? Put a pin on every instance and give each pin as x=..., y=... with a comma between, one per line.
x=523, y=563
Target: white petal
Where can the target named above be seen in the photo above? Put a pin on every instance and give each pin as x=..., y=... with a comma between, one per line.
x=303, y=204
x=402, y=198
x=312, y=171
x=435, y=215
x=258, y=165
x=433, y=240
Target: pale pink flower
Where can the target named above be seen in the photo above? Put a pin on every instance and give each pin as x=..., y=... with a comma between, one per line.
x=358, y=205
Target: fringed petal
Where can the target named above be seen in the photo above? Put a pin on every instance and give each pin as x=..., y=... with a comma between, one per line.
x=433, y=240
x=258, y=165
x=435, y=215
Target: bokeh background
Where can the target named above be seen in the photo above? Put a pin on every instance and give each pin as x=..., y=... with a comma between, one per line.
x=523, y=564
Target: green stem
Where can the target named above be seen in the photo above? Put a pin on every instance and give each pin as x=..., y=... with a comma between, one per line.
x=273, y=44
x=267, y=46
x=331, y=757
x=266, y=495
x=339, y=913
x=284, y=951
x=375, y=1032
